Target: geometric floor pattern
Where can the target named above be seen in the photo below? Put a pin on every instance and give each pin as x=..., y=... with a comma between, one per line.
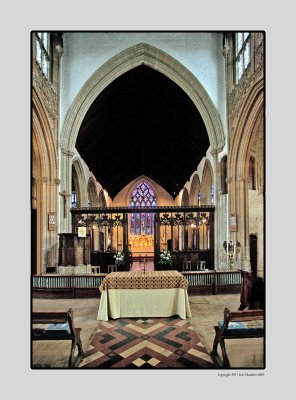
x=146, y=343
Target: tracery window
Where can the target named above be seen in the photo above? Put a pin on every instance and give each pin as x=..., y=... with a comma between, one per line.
x=242, y=53
x=43, y=53
x=142, y=223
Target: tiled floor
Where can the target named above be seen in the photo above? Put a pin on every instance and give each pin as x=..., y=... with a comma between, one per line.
x=206, y=310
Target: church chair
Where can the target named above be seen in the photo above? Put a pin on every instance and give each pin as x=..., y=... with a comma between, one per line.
x=202, y=265
x=187, y=265
x=112, y=268
x=96, y=269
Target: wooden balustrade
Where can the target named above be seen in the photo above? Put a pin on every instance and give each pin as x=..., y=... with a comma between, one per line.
x=65, y=286
x=214, y=282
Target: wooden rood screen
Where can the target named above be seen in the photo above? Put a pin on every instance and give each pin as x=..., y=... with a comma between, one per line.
x=187, y=232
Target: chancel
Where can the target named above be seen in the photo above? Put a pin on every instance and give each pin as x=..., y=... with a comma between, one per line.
x=148, y=193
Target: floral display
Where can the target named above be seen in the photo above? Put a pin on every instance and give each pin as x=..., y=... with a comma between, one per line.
x=119, y=259
x=165, y=258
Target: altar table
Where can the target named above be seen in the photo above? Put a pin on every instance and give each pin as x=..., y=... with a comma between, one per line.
x=144, y=294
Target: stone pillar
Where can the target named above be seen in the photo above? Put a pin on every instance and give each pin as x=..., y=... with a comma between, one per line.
x=44, y=216
x=66, y=185
x=243, y=258
x=217, y=224
x=95, y=238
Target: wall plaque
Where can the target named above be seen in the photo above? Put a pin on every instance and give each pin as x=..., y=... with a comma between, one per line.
x=81, y=231
x=51, y=221
x=232, y=223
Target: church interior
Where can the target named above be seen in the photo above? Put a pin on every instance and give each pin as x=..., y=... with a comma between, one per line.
x=147, y=160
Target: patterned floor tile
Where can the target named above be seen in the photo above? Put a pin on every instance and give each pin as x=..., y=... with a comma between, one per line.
x=146, y=343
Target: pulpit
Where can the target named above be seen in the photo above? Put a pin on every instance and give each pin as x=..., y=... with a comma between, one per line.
x=74, y=250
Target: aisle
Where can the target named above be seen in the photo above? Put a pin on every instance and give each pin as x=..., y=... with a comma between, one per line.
x=139, y=266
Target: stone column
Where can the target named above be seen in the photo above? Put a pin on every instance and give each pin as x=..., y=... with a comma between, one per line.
x=243, y=258
x=217, y=224
x=66, y=185
x=44, y=229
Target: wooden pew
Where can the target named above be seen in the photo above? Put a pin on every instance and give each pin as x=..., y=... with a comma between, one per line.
x=61, y=327
x=237, y=325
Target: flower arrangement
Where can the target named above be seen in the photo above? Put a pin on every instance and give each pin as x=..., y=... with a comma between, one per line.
x=119, y=259
x=165, y=258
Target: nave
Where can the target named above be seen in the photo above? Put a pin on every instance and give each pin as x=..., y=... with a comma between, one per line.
x=206, y=311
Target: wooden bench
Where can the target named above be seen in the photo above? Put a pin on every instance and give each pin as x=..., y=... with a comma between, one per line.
x=61, y=327
x=237, y=325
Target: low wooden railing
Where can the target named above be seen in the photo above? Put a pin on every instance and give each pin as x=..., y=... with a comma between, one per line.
x=66, y=286
x=53, y=281
x=52, y=285
x=213, y=282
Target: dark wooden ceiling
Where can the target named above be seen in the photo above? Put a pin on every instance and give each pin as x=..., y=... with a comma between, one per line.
x=142, y=124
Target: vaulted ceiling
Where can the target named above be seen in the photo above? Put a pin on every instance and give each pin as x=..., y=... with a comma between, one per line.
x=142, y=124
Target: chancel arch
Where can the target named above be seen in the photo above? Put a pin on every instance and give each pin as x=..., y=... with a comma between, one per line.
x=142, y=54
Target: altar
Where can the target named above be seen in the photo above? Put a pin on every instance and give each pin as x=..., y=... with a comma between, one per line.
x=144, y=294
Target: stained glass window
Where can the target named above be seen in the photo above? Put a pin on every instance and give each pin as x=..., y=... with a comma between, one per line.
x=43, y=52
x=142, y=223
x=242, y=53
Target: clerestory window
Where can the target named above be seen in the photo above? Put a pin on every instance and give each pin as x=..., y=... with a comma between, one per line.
x=43, y=53
x=242, y=53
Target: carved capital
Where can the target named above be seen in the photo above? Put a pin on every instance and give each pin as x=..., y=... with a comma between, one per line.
x=225, y=51
x=45, y=179
x=216, y=151
x=67, y=152
x=59, y=50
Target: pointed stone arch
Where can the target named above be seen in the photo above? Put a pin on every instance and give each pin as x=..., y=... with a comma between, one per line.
x=44, y=177
x=194, y=189
x=250, y=117
x=92, y=193
x=78, y=181
x=142, y=54
x=102, y=199
x=185, y=198
x=206, y=183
